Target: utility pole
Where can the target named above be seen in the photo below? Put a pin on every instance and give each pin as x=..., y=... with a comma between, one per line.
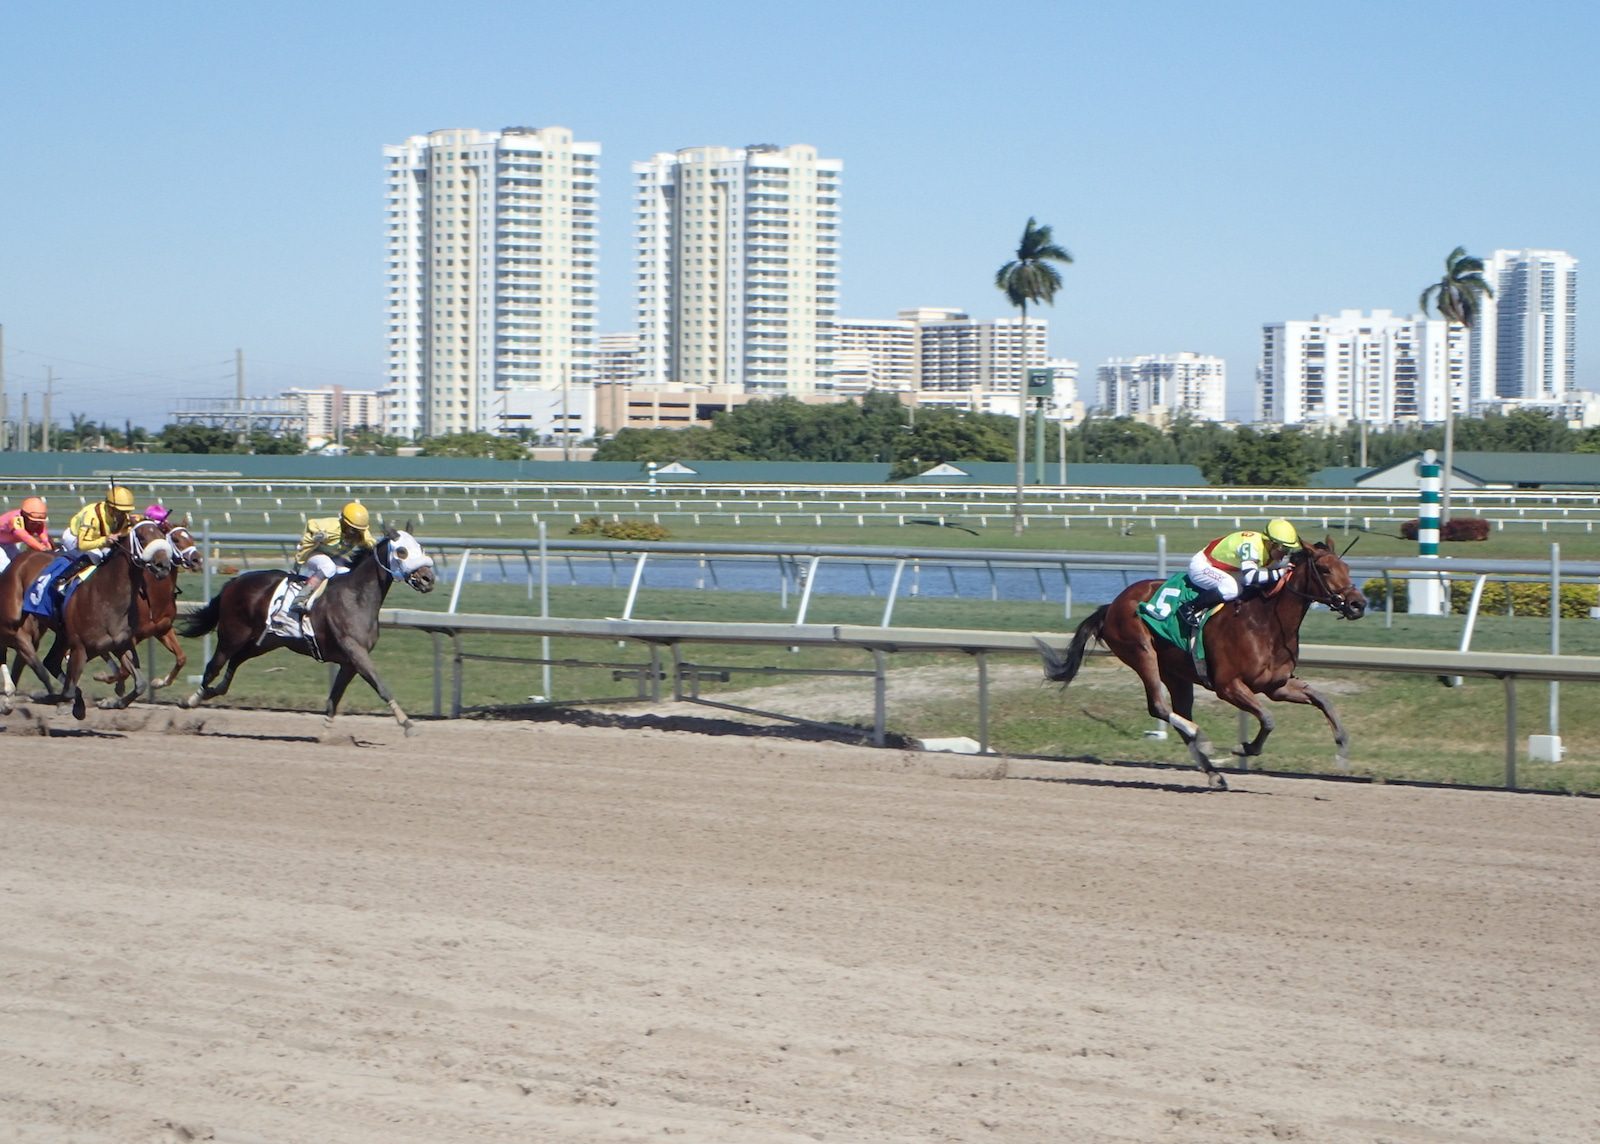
x=238, y=395
x=5, y=413
x=49, y=395
x=566, y=435
x=25, y=427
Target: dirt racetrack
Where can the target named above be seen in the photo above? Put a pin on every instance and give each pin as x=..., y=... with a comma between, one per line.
x=218, y=928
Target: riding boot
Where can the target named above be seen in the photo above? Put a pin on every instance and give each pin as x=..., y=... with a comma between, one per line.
x=1189, y=613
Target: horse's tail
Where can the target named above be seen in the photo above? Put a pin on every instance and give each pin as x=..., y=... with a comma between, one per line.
x=204, y=621
x=1062, y=667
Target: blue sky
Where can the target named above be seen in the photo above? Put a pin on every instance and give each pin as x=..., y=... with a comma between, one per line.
x=184, y=179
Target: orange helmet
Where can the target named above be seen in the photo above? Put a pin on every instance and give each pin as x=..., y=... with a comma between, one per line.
x=34, y=510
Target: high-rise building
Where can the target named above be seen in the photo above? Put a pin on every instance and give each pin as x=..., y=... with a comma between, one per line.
x=492, y=240
x=332, y=410
x=1378, y=368
x=738, y=273
x=958, y=353
x=1190, y=382
x=875, y=354
x=1525, y=344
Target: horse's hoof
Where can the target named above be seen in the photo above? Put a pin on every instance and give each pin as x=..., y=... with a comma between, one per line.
x=106, y=705
x=80, y=710
x=190, y=702
x=1217, y=782
x=411, y=729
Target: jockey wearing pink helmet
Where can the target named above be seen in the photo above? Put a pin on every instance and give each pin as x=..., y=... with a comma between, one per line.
x=156, y=513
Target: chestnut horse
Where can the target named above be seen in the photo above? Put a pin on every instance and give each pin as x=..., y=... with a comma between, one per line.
x=344, y=621
x=156, y=609
x=1251, y=648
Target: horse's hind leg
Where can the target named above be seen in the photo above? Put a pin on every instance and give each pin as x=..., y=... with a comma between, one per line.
x=1162, y=699
x=128, y=668
x=227, y=661
x=1299, y=691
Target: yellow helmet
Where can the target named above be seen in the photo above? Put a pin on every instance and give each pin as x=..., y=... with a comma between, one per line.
x=120, y=499
x=354, y=515
x=1283, y=533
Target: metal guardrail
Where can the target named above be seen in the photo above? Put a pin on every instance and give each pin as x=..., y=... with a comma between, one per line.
x=673, y=636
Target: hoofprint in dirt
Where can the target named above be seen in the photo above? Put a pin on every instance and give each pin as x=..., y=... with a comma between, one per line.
x=219, y=927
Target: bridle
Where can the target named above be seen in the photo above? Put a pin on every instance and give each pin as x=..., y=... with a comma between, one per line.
x=1319, y=592
x=186, y=553
x=396, y=570
x=154, y=554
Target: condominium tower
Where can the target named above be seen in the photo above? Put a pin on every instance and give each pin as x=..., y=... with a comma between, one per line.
x=1525, y=343
x=738, y=267
x=492, y=239
x=1379, y=368
x=1188, y=382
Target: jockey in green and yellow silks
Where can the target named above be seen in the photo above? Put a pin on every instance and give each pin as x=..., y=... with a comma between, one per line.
x=1230, y=566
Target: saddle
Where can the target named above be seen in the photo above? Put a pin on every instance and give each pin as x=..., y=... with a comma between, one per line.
x=1160, y=614
x=281, y=618
x=47, y=596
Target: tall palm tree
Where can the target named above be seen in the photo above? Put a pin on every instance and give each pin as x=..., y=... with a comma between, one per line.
x=1029, y=277
x=1458, y=298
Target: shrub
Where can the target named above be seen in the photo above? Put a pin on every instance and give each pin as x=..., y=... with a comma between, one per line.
x=619, y=529
x=1526, y=599
x=1456, y=528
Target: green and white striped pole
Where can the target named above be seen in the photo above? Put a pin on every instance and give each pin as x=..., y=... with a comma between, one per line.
x=1427, y=594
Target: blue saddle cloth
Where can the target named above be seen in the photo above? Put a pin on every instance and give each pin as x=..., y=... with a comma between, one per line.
x=39, y=600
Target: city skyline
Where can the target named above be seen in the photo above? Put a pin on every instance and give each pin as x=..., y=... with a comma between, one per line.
x=199, y=180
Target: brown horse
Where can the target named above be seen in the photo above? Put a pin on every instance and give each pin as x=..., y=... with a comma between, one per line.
x=100, y=618
x=157, y=609
x=15, y=580
x=1251, y=648
x=344, y=621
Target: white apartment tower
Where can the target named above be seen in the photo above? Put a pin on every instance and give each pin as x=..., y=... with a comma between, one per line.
x=738, y=275
x=1195, y=383
x=1525, y=343
x=875, y=354
x=1378, y=368
x=492, y=244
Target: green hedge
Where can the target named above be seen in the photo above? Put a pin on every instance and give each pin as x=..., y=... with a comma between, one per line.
x=1527, y=599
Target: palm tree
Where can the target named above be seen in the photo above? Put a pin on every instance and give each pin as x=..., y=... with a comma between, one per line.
x=1458, y=298
x=1029, y=277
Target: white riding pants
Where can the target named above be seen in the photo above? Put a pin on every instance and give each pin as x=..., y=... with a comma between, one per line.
x=1204, y=574
x=323, y=565
x=69, y=547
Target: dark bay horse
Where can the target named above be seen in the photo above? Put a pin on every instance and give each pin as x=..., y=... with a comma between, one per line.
x=344, y=621
x=15, y=580
x=100, y=618
x=1251, y=649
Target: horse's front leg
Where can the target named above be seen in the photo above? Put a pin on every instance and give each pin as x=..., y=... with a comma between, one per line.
x=1295, y=690
x=1238, y=693
x=127, y=668
x=77, y=660
x=358, y=659
x=336, y=693
x=169, y=640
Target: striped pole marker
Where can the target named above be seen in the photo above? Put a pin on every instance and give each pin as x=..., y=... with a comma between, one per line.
x=1428, y=511
x=1426, y=594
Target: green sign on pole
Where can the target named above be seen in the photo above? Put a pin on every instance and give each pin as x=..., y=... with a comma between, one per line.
x=1041, y=383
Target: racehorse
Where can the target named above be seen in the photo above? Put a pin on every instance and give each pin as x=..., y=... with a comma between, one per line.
x=1251, y=649
x=99, y=619
x=344, y=621
x=157, y=608
x=15, y=580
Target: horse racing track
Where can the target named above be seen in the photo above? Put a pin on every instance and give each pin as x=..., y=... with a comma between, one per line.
x=219, y=927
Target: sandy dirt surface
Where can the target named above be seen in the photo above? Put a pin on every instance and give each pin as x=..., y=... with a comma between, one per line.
x=217, y=927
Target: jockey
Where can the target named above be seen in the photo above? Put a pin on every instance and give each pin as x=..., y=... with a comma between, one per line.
x=326, y=547
x=155, y=513
x=89, y=533
x=26, y=526
x=1240, y=562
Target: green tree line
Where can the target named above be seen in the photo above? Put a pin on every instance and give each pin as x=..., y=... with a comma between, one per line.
x=880, y=429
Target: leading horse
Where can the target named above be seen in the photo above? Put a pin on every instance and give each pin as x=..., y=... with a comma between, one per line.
x=1251, y=649
x=344, y=621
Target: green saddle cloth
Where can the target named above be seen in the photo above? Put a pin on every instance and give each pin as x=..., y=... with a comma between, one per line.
x=1161, y=612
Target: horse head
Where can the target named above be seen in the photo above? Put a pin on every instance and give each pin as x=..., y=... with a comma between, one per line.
x=185, y=552
x=405, y=559
x=1327, y=580
x=147, y=547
